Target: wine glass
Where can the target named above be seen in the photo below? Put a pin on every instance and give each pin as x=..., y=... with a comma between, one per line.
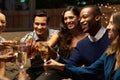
x=22, y=55
x=43, y=52
x=8, y=48
x=30, y=45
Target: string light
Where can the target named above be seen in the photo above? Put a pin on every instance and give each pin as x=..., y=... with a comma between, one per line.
x=107, y=10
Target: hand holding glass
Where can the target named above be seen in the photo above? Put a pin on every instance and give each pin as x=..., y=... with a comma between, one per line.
x=43, y=52
x=22, y=55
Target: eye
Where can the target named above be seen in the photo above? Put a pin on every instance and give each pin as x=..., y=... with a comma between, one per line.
x=37, y=24
x=3, y=22
x=71, y=17
x=43, y=24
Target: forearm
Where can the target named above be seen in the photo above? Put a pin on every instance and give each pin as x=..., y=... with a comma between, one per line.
x=2, y=68
x=60, y=67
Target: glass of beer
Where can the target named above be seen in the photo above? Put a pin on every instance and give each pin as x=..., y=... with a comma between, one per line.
x=43, y=52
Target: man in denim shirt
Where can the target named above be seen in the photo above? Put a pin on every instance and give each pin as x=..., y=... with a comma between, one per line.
x=41, y=32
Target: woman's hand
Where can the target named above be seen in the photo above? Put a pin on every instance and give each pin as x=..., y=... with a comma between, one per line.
x=53, y=64
x=52, y=53
x=7, y=57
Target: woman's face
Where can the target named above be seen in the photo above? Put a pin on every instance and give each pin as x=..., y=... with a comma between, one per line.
x=111, y=29
x=70, y=19
x=2, y=22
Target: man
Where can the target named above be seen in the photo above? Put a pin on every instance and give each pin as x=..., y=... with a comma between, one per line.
x=41, y=33
x=91, y=47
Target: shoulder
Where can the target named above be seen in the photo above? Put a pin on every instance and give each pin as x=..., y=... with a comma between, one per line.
x=84, y=40
x=53, y=30
x=26, y=36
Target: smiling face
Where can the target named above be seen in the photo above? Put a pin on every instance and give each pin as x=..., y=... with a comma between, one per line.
x=90, y=19
x=2, y=22
x=70, y=19
x=111, y=29
x=40, y=25
x=87, y=19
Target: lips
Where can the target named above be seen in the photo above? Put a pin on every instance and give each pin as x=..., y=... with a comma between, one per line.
x=83, y=26
x=70, y=24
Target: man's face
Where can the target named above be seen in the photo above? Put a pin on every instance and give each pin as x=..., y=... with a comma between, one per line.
x=2, y=22
x=40, y=25
x=87, y=19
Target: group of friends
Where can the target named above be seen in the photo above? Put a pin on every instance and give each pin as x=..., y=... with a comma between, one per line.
x=83, y=48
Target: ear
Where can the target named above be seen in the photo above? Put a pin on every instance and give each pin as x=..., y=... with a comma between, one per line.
x=97, y=18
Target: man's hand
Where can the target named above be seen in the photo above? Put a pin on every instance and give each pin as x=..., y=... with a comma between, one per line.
x=53, y=64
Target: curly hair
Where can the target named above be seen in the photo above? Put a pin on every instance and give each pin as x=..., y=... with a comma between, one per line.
x=65, y=37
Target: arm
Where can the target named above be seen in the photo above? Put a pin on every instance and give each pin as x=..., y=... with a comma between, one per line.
x=95, y=68
x=92, y=69
x=54, y=64
x=53, y=40
x=2, y=68
x=51, y=43
x=3, y=59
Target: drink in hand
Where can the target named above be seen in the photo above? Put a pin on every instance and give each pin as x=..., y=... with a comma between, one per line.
x=22, y=58
x=43, y=52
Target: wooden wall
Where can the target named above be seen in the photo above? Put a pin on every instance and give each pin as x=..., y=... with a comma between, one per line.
x=21, y=19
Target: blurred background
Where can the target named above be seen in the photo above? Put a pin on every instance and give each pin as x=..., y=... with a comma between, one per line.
x=20, y=12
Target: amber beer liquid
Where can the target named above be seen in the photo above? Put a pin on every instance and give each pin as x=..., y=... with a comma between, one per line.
x=43, y=52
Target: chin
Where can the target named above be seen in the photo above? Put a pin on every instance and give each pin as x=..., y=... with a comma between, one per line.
x=39, y=33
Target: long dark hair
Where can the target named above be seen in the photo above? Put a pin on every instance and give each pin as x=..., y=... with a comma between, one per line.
x=65, y=36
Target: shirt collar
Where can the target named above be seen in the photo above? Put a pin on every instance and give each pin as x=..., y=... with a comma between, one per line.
x=36, y=36
x=98, y=36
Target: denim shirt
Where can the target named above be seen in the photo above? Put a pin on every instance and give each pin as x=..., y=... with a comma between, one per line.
x=35, y=37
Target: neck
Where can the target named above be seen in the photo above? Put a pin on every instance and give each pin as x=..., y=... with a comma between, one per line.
x=76, y=32
x=95, y=30
x=44, y=36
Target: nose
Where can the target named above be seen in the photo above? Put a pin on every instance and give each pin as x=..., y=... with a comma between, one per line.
x=68, y=20
x=108, y=26
x=40, y=26
x=81, y=20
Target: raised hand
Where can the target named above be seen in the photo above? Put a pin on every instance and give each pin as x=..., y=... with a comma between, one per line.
x=52, y=53
x=7, y=57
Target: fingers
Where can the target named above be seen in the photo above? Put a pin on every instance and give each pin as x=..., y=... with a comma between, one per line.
x=31, y=47
x=7, y=57
x=23, y=75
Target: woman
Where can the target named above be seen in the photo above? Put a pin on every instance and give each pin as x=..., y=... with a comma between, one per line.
x=70, y=32
x=3, y=57
x=66, y=39
x=109, y=63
